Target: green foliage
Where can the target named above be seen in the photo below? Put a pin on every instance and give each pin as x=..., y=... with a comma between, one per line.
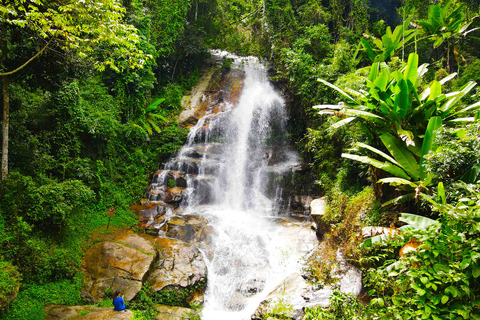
x=9, y=283
x=343, y=306
x=389, y=43
x=457, y=155
x=45, y=206
x=177, y=296
x=278, y=309
x=31, y=300
x=81, y=28
x=144, y=306
x=439, y=280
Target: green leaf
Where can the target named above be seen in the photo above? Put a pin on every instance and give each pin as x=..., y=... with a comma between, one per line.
x=402, y=155
x=394, y=181
x=410, y=73
x=440, y=267
x=452, y=290
x=400, y=199
x=435, y=90
x=402, y=99
x=336, y=88
x=419, y=222
x=341, y=123
x=476, y=272
x=375, y=150
x=427, y=145
x=386, y=166
x=441, y=193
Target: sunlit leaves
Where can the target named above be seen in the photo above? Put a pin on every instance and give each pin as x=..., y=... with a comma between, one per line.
x=83, y=26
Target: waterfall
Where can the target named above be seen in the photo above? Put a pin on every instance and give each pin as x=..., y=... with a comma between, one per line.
x=231, y=167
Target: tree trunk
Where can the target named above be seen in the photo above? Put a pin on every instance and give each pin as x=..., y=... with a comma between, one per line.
x=6, y=106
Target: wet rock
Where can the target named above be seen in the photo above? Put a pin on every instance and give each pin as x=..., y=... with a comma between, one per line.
x=174, y=194
x=121, y=264
x=175, y=313
x=286, y=300
x=188, y=228
x=180, y=266
x=317, y=211
x=60, y=312
x=350, y=278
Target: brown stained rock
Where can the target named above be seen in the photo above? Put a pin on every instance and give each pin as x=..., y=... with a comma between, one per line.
x=188, y=228
x=179, y=265
x=121, y=264
x=175, y=313
x=60, y=312
x=174, y=194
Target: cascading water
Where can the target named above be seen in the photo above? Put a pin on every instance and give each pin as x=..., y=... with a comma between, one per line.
x=232, y=162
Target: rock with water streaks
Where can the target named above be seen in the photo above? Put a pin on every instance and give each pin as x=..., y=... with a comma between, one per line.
x=121, y=264
x=179, y=267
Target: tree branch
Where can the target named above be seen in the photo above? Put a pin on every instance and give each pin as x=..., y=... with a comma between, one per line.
x=30, y=60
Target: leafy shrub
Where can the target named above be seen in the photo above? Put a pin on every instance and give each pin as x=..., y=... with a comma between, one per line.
x=440, y=279
x=9, y=282
x=343, y=306
x=30, y=301
x=458, y=152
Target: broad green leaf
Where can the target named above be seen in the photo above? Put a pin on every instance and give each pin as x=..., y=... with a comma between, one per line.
x=441, y=193
x=341, y=123
x=476, y=272
x=382, y=80
x=156, y=102
x=435, y=90
x=448, y=78
x=394, y=181
x=329, y=106
x=418, y=222
x=336, y=88
x=385, y=166
x=402, y=101
x=400, y=199
x=410, y=73
x=444, y=299
x=449, y=106
x=375, y=150
x=402, y=155
x=427, y=145
x=472, y=107
x=364, y=114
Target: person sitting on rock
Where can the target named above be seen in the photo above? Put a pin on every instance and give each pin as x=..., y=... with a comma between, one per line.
x=118, y=303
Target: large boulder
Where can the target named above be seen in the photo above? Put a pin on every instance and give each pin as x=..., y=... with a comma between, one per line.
x=121, y=264
x=179, y=267
x=59, y=312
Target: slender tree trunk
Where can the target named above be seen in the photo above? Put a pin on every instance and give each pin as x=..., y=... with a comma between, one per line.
x=6, y=106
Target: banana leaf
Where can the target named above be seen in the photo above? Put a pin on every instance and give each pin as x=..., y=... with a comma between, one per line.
x=396, y=181
x=416, y=221
x=385, y=166
x=402, y=155
x=433, y=124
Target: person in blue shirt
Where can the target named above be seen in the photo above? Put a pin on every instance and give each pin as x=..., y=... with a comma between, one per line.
x=118, y=303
